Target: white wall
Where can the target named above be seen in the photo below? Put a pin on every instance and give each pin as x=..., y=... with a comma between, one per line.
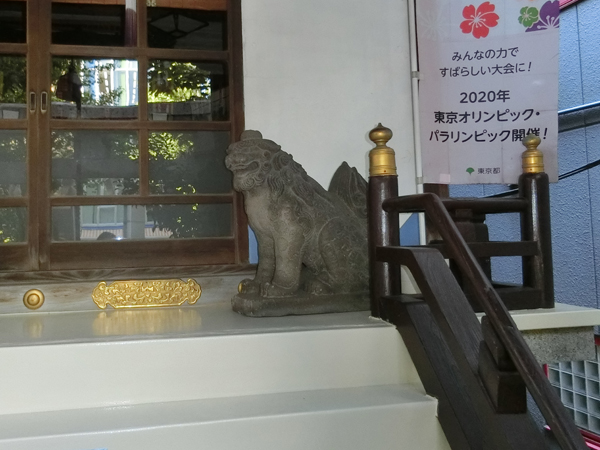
x=320, y=74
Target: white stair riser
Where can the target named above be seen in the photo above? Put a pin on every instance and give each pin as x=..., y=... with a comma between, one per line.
x=72, y=376
x=411, y=427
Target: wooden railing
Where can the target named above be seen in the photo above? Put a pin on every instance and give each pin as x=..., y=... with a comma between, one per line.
x=478, y=372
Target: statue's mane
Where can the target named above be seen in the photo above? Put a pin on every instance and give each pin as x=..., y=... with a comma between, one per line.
x=287, y=172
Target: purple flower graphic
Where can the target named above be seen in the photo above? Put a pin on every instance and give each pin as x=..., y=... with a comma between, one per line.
x=548, y=17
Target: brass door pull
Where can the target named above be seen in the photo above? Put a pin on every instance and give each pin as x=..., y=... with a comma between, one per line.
x=44, y=103
x=32, y=102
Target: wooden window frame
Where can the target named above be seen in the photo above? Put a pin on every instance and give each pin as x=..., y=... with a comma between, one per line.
x=42, y=259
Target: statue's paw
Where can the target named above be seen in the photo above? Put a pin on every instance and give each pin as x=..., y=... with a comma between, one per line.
x=316, y=287
x=272, y=290
x=249, y=286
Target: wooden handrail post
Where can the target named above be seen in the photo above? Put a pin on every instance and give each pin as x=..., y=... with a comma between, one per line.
x=384, y=228
x=535, y=221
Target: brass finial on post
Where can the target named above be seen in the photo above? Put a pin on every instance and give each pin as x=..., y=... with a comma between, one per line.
x=382, y=159
x=533, y=159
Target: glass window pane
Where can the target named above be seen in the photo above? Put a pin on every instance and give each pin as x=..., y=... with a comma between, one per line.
x=179, y=90
x=13, y=22
x=192, y=221
x=118, y=222
x=13, y=156
x=94, y=89
x=13, y=225
x=189, y=162
x=13, y=86
x=187, y=28
x=92, y=162
x=88, y=24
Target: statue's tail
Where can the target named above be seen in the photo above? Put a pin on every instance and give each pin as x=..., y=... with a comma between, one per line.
x=351, y=187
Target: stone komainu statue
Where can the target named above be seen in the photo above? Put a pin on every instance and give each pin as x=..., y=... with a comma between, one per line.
x=312, y=243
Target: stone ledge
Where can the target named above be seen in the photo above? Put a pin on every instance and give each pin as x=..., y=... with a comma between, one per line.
x=561, y=316
x=562, y=333
x=562, y=344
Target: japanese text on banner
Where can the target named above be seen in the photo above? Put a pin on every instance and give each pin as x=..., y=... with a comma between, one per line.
x=488, y=77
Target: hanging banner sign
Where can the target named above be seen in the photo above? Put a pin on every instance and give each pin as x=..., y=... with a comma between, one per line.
x=488, y=77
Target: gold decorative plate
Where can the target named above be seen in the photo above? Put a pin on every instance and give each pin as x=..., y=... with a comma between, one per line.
x=146, y=293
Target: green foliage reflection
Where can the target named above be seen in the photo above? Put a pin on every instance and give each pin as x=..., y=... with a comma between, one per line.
x=12, y=145
x=192, y=221
x=98, y=155
x=173, y=81
x=188, y=163
x=13, y=79
x=13, y=225
x=13, y=153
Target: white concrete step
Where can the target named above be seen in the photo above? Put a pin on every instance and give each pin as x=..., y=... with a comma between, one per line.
x=203, y=377
x=374, y=417
x=104, y=359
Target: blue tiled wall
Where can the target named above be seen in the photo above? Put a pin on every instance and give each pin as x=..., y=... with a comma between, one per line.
x=574, y=201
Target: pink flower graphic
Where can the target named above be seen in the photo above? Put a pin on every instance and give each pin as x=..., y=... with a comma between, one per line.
x=479, y=22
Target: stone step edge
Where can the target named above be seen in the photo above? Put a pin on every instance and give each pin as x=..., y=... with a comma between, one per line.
x=41, y=425
x=74, y=376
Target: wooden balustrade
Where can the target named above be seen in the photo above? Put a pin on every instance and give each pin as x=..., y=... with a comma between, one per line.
x=477, y=372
